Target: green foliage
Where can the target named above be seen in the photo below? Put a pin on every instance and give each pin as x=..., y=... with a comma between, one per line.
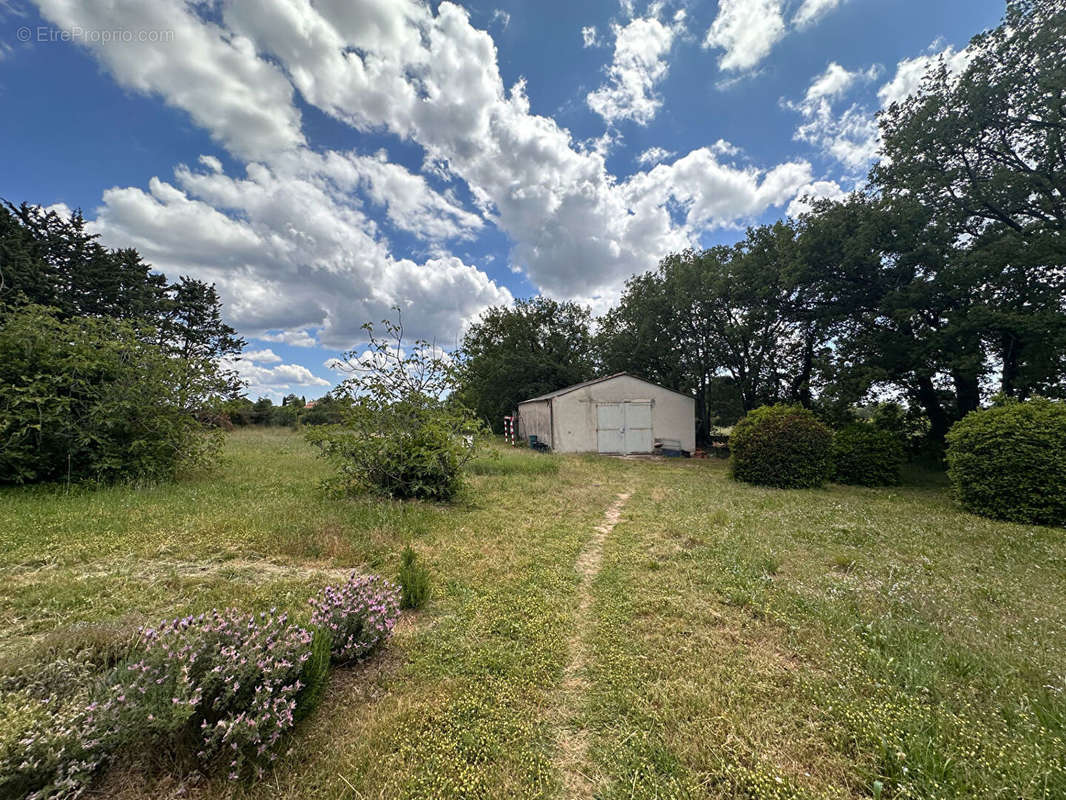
x=92, y=399
x=399, y=451
x=328, y=410
x=51, y=260
x=727, y=324
x=864, y=455
x=43, y=753
x=980, y=152
x=403, y=436
x=782, y=446
x=314, y=676
x=262, y=411
x=413, y=580
x=239, y=411
x=725, y=406
x=531, y=348
x=910, y=426
x=287, y=414
x=107, y=371
x=1009, y=461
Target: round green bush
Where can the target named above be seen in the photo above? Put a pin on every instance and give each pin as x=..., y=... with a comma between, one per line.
x=783, y=446
x=865, y=455
x=1009, y=461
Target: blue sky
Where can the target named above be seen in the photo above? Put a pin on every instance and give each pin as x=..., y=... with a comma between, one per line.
x=321, y=162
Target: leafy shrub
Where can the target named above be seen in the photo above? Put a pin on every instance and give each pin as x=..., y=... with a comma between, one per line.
x=414, y=580
x=49, y=747
x=400, y=451
x=864, y=455
x=90, y=398
x=782, y=446
x=404, y=435
x=358, y=615
x=221, y=685
x=50, y=738
x=1009, y=461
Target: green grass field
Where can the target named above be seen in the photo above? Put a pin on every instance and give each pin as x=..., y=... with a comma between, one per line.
x=719, y=641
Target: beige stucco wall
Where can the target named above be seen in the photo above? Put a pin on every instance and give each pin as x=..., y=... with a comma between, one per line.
x=535, y=418
x=673, y=415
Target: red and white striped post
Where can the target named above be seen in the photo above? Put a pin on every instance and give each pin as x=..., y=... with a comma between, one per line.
x=508, y=430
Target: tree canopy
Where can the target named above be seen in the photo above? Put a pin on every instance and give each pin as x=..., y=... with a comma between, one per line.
x=531, y=348
x=109, y=372
x=943, y=281
x=50, y=260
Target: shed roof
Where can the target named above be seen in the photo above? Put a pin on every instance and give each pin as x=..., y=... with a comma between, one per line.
x=583, y=384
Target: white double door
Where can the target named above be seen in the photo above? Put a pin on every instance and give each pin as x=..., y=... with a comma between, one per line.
x=624, y=427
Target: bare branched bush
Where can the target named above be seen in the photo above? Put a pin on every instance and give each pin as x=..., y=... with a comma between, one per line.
x=404, y=434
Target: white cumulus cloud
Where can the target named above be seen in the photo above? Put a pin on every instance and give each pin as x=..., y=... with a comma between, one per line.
x=910, y=71
x=293, y=338
x=639, y=65
x=298, y=238
x=849, y=136
x=816, y=190
x=266, y=356
x=747, y=30
x=653, y=155
x=245, y=102
x=714, y=194
x=294, y=252
x=813, y=10
x=276, y=381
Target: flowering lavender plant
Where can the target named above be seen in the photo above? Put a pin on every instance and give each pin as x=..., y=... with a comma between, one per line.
x=219, y=687
x=223, y=684
x=359, y=615
x=49, y=746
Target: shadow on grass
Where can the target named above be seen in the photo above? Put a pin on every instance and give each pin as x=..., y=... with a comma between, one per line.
x=924, y=475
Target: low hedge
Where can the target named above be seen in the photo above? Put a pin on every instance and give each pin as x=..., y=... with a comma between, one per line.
x=865, y=455
x=782, y=446
x=218, y=690
x=1009, y=462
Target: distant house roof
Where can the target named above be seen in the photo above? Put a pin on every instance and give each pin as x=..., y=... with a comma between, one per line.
x=576, y=386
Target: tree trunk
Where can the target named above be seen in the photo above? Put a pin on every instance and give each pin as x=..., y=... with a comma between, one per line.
x=1011, y=368
x=967, y=392
x=939, y=422
x=703, y=422
x=801, y=386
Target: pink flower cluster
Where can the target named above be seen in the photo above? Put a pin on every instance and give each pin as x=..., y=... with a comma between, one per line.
x=58, y=757
x=229, y=679
x=226, y=682
x=359, y=615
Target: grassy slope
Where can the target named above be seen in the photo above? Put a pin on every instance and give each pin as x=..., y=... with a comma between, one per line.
x=746, y=642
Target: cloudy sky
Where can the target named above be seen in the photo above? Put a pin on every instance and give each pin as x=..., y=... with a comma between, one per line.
x=322, y=161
